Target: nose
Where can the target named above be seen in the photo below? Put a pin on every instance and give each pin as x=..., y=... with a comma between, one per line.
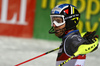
x=54, y=25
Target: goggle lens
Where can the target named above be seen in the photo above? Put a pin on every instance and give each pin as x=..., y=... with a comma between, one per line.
x=58, y=20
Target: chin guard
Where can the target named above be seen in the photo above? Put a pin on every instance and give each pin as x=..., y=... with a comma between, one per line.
x=51, y=31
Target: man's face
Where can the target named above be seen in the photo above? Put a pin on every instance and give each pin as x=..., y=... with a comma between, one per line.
x=58, y=29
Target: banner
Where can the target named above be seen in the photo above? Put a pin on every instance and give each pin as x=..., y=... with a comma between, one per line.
x=17, y=17
x=89, y=20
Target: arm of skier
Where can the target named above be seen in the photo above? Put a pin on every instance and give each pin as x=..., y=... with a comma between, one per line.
x=80, y=46
x=90, y=45
x=72, y=43
x=91, y=38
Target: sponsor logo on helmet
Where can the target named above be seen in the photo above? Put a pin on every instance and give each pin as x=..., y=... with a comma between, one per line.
x=67, y=11
x=72, y=16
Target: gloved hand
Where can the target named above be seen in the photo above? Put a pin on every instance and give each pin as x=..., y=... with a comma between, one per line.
x=86, y=48
x=90, y=37
x=91, y=44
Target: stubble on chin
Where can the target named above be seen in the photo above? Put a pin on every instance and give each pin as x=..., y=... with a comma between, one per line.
x=60, y=33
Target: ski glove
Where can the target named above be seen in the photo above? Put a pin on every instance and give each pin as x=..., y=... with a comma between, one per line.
x=90, y=46
x=90, y=37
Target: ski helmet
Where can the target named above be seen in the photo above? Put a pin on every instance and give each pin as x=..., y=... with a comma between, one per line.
x=69, y=15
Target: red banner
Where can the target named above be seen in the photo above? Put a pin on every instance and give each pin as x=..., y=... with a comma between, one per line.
x=17, y=18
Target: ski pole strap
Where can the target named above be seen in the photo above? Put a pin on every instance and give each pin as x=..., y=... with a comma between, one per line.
x=66, y=61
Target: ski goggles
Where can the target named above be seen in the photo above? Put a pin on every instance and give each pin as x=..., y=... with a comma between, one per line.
x=58, y=20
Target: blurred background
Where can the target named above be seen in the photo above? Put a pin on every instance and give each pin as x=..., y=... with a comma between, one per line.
x=24, y=26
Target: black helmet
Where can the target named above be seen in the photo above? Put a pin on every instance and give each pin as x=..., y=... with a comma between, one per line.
x=68, y=13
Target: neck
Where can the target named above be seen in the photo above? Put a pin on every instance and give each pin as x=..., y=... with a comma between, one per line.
x=70, y=32
x=66, y=32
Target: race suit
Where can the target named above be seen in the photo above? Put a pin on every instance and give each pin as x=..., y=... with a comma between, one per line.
x=68, y=46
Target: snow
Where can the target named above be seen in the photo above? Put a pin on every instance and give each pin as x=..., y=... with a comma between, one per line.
x=16, y=50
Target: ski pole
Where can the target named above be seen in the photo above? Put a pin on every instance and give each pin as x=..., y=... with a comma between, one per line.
x=66, y=61
x=37, y=57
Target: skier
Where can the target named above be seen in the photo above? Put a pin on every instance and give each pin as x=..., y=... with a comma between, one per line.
x=64, y=19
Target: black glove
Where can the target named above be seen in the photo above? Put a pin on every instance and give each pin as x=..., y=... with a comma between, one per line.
x=90, y=37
